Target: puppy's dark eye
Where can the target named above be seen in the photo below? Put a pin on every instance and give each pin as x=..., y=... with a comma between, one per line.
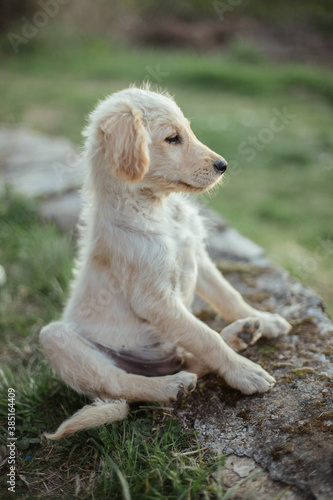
x=174, y=139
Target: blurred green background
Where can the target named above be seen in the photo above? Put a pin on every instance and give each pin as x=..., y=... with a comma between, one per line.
x=232, y=66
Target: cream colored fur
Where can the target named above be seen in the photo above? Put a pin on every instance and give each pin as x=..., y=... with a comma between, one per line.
x=142, y=257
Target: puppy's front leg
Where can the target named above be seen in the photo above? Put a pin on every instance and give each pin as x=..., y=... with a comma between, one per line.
x=169, y=315
x=216, y=290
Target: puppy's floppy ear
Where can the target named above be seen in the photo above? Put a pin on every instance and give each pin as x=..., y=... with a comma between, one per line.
x=125, y=143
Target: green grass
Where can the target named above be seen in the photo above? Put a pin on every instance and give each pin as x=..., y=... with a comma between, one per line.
x=148, y=456
x=38, y=264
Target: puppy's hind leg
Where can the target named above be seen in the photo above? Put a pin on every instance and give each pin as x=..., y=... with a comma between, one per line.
x=194, y=365
x=74, y=361
x=90, y=372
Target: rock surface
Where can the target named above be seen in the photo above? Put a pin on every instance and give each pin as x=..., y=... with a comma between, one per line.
x=43, y=167
x=289, y=430
x=287, y=433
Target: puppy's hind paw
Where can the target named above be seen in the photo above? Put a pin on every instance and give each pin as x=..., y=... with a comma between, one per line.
x=242, y=333
x=180, y=385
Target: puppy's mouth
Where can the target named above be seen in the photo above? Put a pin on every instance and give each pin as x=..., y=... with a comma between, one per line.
x=185, y=186
x=189, y=187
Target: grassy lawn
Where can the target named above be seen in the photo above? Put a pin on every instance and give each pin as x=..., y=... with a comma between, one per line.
x=272, y=123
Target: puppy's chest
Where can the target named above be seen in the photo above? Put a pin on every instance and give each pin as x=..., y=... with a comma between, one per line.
x=184, y=270
x=184, y=242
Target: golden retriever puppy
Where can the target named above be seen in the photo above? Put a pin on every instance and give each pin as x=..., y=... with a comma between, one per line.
x=127, y=333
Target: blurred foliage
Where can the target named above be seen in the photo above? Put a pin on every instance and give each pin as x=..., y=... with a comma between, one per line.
x=273, y=10
x=100, y=14
x=319, y=13
x=180, y=9
x=13, y=10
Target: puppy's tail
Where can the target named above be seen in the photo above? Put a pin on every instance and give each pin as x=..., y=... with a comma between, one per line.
x=99, y=413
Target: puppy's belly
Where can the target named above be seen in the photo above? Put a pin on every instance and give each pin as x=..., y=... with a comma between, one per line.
x=137, y=363
x=130, y=342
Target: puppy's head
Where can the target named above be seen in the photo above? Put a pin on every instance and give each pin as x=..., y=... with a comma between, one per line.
x=145, y=140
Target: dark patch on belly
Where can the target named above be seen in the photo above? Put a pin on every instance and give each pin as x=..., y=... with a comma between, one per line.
x=140, y=366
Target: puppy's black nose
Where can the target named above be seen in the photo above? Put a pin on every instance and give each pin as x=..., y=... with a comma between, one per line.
x=220, y=166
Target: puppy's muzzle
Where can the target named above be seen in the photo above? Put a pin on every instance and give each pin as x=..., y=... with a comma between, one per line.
x=220, y=166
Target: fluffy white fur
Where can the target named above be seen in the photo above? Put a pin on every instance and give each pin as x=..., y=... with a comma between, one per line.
x=142, y=257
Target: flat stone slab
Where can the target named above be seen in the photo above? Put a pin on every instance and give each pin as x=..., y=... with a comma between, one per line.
x=230, y=243
x=37, y=165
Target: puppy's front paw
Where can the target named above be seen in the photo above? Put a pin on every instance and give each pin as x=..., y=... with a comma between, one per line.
x=242, y=333
x=248, y=377
x=180, y=385
x=274, y=325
